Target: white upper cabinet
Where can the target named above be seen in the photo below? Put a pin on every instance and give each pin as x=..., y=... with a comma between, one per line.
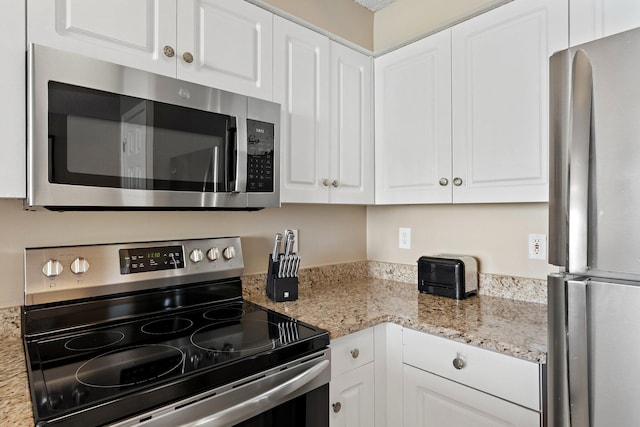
x=500, y=101
x=220, y=43
x=413, y=122
x=128, y=32
x=462, y=115
x=325, y=91
x=351, y=144
x=301, y=83
x=593, y=19
x=12, y=103
x=231, y=45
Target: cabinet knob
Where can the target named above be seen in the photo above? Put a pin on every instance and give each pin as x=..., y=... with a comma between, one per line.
x=355, y=353
x=335, y=183
x=336, y=407
x=443, y=182
x=326, y=182
x=459, y=363
x=168, y=51
x=457, y=181
x=188, y=57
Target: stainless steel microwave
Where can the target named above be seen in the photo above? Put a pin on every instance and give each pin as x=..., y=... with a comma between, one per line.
x=106, y=136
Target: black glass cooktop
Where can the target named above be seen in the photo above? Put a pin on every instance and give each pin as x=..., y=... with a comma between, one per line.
x=162, y=357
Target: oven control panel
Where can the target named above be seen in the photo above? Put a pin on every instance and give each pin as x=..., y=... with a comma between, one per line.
x=140, y=260
x=54, y=274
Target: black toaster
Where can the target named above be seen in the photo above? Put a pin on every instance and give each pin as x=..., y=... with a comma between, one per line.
x=453, y=276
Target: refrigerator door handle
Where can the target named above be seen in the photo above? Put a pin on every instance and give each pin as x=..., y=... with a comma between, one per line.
x=579, y=163
x=577, y=353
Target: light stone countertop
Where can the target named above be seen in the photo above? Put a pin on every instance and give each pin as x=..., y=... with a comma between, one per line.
x=512, y=327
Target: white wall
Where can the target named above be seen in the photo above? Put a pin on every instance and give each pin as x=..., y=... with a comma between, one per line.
x=406, y=20
x=497, y=235
x=328, y=234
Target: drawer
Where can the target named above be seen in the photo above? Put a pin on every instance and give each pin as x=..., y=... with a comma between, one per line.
x=351, y=351
x=503, y=376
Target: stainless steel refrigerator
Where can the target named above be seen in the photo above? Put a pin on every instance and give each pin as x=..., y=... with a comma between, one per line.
x=594, y=227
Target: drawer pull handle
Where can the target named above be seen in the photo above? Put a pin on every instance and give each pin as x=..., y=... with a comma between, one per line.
x=336, y=407
x=459, y=363
x=355, y=353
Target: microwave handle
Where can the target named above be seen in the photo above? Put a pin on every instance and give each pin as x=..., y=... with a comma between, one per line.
x=231, y=157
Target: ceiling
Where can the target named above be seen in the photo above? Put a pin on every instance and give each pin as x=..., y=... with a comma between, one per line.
x=374, y=5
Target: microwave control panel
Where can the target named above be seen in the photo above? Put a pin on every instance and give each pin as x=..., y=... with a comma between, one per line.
x=260, y=153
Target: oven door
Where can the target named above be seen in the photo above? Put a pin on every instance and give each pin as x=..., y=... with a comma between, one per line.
x=291, y=395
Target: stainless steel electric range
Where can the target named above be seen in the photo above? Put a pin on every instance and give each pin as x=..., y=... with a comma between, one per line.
x=158, y=334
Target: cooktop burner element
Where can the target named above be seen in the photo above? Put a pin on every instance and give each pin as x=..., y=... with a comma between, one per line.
x=94, y=341
x=167, y=326
x=131, y=343
x=230, y=336
x=130, y=366
x=227, y=313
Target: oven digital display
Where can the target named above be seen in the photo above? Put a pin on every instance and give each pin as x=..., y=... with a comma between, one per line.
x=140, y=260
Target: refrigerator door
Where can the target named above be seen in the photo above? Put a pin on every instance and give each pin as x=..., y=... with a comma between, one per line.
x=595, y=155
x=593, y=373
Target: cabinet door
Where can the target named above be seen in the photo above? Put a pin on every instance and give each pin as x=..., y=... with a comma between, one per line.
x=12, y=103
x=128, y=32
x=500, y=100
x=432, y=401
x=413, y=123
x=301, y=68
x=351, y=148
x=593, y=19
x=352, y=398
x=229, y=42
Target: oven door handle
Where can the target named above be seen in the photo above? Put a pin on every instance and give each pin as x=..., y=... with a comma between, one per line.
x=261, y=402
x=235, y=403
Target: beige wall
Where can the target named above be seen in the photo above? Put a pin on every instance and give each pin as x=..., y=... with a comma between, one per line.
x=328, y=234
x=344, y=18
x=497, y=235
x=410, y=19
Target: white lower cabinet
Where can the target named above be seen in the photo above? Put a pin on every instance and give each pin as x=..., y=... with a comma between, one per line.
x=351, y=395
x=390, y=376
x=451, y=384
x=433, y=401
x=351, y=392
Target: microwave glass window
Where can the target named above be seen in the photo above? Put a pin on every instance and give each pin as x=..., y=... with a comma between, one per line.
x=103, y=139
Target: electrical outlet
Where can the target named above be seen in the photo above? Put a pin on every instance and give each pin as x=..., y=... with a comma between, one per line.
x=404, y=238
x=537, y=246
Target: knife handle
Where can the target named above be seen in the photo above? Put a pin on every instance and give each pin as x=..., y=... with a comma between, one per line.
x=276, y=247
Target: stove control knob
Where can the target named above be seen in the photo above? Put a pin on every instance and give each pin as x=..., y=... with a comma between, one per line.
x=213, y=254
x=80, y=265
x=52, y=268
x=196, y=255
x=79, y=395
x=195, y=360
x=229, y=252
